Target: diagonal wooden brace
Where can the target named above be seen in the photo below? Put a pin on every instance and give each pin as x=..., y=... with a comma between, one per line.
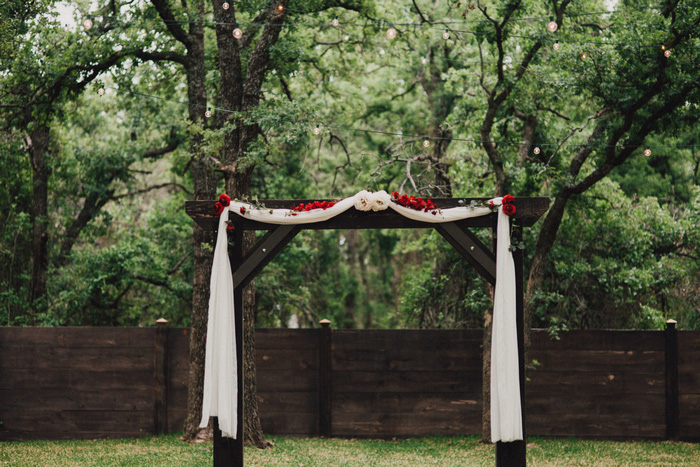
x=262, y=253
x=471, y=248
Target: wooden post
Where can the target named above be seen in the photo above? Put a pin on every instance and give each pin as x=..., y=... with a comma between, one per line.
x=324, y=379
x=672, y=416
x=161, y=377
x=513, y=454
x=229, y=452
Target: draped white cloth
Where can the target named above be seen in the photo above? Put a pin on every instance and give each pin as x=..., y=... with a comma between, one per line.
x=220, y=382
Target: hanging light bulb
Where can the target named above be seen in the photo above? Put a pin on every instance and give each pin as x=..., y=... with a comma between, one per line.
x=87, y=23
x=647, y=152
x=335, y=22
x=536, y=150
x=426, y=142
x=446, y=34
x=555, y=46
x=208, y=112
x=552, y=26
x=101, y=91
x=667, y=53
x=237, y=33
x=317, y=130
x=663, y=47
x=584, y=55
x=225, y=6
x=280, y=8
x=391, y=32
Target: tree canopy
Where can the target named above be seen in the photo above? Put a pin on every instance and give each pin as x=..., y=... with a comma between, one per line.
x=468, y=98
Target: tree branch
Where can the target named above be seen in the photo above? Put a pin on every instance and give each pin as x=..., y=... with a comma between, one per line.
x=166, y=14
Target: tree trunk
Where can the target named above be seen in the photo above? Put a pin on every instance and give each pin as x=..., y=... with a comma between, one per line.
x=543, y=248
x=38, y=145
x=205, y=184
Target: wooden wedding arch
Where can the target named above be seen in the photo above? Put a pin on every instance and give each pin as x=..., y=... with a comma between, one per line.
x=245, y=267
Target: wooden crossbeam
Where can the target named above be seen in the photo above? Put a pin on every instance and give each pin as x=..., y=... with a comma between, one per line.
x=528, y=211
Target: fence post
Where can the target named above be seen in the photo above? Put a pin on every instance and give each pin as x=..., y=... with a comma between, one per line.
x=324, y=379
x=671, y=341
x=161, y=370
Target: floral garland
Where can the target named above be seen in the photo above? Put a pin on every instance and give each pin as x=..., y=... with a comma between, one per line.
x=418, y=204
x=313, y=205
x=367, y=201
x=224, y=201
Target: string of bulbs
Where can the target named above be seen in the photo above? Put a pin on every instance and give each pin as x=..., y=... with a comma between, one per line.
x=391, y=33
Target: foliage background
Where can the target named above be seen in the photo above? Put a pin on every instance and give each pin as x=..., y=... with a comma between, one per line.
x=626, y=254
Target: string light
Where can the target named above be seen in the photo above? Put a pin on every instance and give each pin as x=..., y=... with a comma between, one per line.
x=317, y=130
x=667, y=53
x=237, y=33
x=225, y=6
x=446, y=34
x=101, y=91
x=87, y=23
x=391, y=32
x=426, y=142
x=555, y=46
x=552, y=26
x=335, y=22
x=647, y=152
x=584, y=55
x=280, y=8
x=536, y=150
x=208, y=112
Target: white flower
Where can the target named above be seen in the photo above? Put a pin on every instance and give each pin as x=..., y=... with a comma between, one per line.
x=366, y=201
x=381, y=200
x=363, y=200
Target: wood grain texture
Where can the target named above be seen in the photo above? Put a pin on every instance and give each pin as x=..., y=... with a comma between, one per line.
x=62, y=383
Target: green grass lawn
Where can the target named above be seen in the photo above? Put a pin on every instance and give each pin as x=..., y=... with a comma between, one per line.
x=462, y=451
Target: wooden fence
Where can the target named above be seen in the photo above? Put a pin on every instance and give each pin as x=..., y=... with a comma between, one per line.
x=118, y=382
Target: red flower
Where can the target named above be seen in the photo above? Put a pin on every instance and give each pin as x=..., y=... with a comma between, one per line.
x=508, y=199
x=218, y=208
x=509, y=209
x=230, y=227
x=224, y=200
x=242, y=210
x=395, y=195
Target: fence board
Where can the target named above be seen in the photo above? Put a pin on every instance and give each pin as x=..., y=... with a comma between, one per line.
x=98, y=382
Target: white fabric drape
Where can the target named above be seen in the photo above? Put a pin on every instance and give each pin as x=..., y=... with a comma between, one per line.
x=506, y=422
x=220, y=382
x=220, y=365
